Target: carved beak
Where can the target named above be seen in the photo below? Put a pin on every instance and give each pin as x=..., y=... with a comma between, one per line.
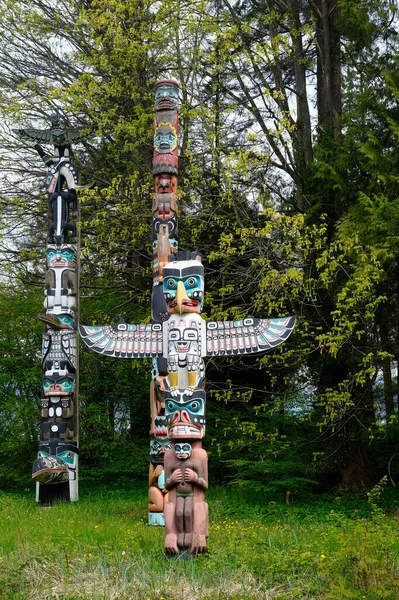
x=181, y=295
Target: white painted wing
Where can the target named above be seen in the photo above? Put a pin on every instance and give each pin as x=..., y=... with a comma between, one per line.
x=247, y=336
x=123, y=340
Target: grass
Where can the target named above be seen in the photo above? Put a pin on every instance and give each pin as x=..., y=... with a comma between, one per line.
x=101, y=549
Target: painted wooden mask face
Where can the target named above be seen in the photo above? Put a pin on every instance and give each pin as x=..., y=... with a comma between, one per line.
x=183, y=451
x=61, y=256
x=165, y=139
x=166, y=95
x=158, y=447
x=58, y=384
x=185, y=415
x=183, y=286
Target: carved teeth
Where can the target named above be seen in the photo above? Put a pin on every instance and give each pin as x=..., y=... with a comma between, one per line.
x=185, y=430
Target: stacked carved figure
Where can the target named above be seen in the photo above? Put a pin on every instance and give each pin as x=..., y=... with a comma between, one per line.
x=178, y=339
x=55, y=469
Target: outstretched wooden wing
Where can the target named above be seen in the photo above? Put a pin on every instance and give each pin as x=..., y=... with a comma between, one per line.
x=247, y=336
x=34, y=135
x=47, y=135
x=123, y=340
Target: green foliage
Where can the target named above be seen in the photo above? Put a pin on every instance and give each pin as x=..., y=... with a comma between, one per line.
x=20, y=378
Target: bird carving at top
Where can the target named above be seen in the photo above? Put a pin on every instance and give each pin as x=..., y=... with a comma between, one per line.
x=185, y=338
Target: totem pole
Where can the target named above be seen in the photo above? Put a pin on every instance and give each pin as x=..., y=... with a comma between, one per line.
x=178, y=339
x=55, y=470
x=164, y=243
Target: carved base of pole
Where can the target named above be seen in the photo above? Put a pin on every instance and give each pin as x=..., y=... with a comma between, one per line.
x=49, y=493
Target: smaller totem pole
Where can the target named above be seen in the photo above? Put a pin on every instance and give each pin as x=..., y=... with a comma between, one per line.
x=56, y=468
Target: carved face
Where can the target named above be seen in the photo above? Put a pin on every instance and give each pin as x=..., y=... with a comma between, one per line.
x=165, y=184
x=58, y=136
x=185, y=415
x=165, y=138
x=166, y=95
x=183, y=451
x=183, y=286
x=58, y=384
x=183, y=339
x=48, y=468
x=61, y=256
x=158, y=447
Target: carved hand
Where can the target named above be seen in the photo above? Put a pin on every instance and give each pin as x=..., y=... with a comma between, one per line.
x=190, y=475
x=158, y=470
x=177, y=476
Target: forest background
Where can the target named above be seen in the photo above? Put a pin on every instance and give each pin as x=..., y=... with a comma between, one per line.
x=288, y=185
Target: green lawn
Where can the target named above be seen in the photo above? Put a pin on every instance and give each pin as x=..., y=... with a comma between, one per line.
x=101, y=548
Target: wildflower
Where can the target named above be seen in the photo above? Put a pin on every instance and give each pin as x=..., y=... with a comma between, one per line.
x=322, y=556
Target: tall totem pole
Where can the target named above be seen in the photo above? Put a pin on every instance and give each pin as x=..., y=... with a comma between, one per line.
x=177, y=340
x=55, y=470
x=164, y=243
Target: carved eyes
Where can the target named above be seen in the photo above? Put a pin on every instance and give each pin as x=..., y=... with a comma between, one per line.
x=194, y=406
x=66, y=319
x=182, y=448
x=190, y=334
x=67, y=457
x=66, y=384
x=189, y=282
x=65, y=253
x=156, y=447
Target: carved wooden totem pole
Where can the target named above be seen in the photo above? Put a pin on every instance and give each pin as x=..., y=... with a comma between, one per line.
x=55, y=470
x=164, y=242
x=178, y=339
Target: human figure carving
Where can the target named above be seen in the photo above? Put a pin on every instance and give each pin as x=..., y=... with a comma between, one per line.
x=186, y=513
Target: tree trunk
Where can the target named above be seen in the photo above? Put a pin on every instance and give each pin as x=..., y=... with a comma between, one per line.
x=386, y=346
x=358, y=472
x=329, y=93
